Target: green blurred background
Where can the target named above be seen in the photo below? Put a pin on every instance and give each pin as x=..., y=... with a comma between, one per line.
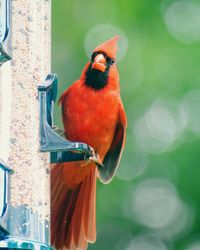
x=154, y=201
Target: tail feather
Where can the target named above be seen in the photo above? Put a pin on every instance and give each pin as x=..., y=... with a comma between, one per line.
x=90, y=210
x=73, y=212
x=78, y=220
x=60, y=223
x=78, y=230
x=86, y=208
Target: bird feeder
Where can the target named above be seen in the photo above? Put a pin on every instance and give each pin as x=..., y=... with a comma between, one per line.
x=5, y=52
x=25, y=195
x=61, y=149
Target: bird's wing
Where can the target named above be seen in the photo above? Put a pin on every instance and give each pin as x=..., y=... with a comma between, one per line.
x=113, y=156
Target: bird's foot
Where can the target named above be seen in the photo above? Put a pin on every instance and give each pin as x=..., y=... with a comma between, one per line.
x=96, y=158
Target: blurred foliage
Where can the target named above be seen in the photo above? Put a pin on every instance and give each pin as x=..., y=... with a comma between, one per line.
x=154, y=201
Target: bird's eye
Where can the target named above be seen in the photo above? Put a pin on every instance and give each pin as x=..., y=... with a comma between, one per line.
x=110, y=60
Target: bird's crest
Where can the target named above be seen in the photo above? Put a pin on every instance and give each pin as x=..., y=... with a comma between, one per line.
x=109, y=47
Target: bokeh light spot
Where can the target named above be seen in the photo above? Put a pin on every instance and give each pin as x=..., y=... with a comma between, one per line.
x=155, y=203
x=194, y=246
x=156, y=130
x=146, y=242
x=103, y=32
x=182, y=224
x=182, y=19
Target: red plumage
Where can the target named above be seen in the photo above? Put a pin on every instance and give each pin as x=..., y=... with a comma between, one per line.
x=92, y=113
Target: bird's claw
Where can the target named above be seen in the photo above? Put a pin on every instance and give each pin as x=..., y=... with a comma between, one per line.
x=96, y=158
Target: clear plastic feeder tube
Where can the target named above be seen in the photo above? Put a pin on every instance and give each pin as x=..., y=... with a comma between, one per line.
x=29, y=211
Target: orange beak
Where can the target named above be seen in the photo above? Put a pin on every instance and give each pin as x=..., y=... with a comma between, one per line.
x=99, y=63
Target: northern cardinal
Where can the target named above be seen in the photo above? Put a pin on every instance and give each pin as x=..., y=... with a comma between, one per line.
x=92, y=113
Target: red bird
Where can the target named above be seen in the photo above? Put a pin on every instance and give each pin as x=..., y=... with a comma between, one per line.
x=92, y=113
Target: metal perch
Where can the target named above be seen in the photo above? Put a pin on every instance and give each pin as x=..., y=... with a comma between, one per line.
x=61, y=149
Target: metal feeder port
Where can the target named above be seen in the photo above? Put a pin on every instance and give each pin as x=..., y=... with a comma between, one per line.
x=20, y=226
x=5, y=173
